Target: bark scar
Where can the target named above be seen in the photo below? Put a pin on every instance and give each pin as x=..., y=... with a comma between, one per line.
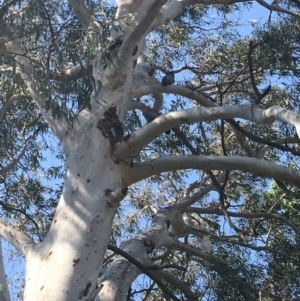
x=76, y=260
x=110, y=126
x=85, y=291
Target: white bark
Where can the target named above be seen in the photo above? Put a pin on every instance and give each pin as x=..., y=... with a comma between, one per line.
x=65, y=266
x=82, y=13
x=15, y=237
x=142, y=137
x=119, y=276
x=167, y=224
x=77, y=240
x=256, y=166
x=4, y=291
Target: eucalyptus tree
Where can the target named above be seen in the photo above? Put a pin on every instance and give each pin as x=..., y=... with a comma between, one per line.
x=210, y=211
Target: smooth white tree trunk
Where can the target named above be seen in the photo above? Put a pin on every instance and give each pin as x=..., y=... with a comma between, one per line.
x=4, y=291
x=66, y=264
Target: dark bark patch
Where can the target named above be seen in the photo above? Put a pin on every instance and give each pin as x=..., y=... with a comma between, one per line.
x=85, y=291
x=124, y=190
x=135, y=50
x=126, y=137
x=118, y=42
x=184, y=119
x=149, y=246
x=110, y=126
x=152, y=70
x=107, y=192
x=75, y=260
x=134, y=63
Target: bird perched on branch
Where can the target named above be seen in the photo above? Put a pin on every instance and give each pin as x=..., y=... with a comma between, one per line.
x=150, y=114
x=168, y=79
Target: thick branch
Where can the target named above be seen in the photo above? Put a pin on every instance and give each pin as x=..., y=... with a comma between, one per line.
x=256, y=166
x=145, y=270
x=138, y=248
x=71, y=73
x=183, y=91
x=81, y=12
x=146, y=134
x=171, y=10
x=202, y=100
x=132, y=39
x=17, y=238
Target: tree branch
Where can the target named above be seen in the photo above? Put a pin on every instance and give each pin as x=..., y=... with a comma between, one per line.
x=172, y=8
x=194, y=231
x=15, y=46
x=255, y=138
x=244, y=215
x=82, y=13
x=284, y=140
x=136, y=34
x=146, y=134
x=174, y=281
x=14, y=162
x=10, y=102
x=204, y=101
x=145, y=270
x=277, y=8
x=17, y=238
x=259, y=96
x=173, y=89
x=256, y=166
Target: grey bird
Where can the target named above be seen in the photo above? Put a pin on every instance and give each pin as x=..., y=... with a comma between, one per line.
x=150, y=114
x=168, y=79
